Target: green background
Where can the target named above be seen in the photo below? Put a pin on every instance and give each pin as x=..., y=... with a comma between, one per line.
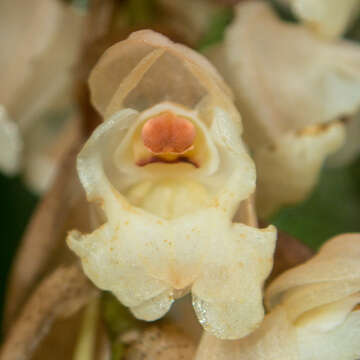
x=16, y=206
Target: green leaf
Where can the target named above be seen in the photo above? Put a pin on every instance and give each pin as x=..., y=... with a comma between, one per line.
x=283, y=11
x=118, y=320
x=333, y=208
x=117, y=317
x=81, y=4
x=353, y=32
x=17, y=204
x=117, y=350
x=216, y=29
x=141, y=12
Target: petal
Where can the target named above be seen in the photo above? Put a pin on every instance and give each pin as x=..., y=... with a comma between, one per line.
x=319, y=77
x=274, y=340
x=299, y=71
x=288, y=171
x=341, y=342
x=227, y=297
x=11, y=144
x=148, y=66
x=329, y=18
x=331, y=275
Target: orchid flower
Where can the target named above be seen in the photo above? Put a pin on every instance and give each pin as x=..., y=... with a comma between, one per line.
x=40, y=42
x=293, y=89
x=329, y=18
x=314, y=312
x=167, y=170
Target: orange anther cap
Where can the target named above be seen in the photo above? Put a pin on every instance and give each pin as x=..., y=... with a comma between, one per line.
x=168, y=133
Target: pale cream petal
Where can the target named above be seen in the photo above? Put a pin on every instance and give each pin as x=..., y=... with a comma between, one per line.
x=287, y=82
x=128, y=71
x=122, y=275
x=274, y=340
x=46, y=143
x=299, y=71
x=341, y=342
x=154, y=308
x=288, y=171
x=328, y=18
x=325, y=327
x=279, y=339
x=327, y=317
x=40, y=45
x=10, y=144
x=227, y=296
x=19, y=22
x=334, y=273
x=304, y=298
x=351, y=147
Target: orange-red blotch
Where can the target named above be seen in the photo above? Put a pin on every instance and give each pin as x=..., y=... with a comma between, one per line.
x=168, y=133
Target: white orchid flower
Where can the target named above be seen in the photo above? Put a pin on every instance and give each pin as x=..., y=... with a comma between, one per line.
x=169, y=170
x=293, y=89
x=314, y=312
x=40, y=42
x=329, y=18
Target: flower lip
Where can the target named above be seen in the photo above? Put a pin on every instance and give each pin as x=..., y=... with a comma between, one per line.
x=168, y=133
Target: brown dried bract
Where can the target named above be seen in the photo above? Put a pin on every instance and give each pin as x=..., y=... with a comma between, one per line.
x=161, y=342
x=43, y=244
x=289, y=252
x=60, y=295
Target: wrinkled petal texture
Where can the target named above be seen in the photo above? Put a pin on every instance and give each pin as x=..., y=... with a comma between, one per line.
x=168, y=196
